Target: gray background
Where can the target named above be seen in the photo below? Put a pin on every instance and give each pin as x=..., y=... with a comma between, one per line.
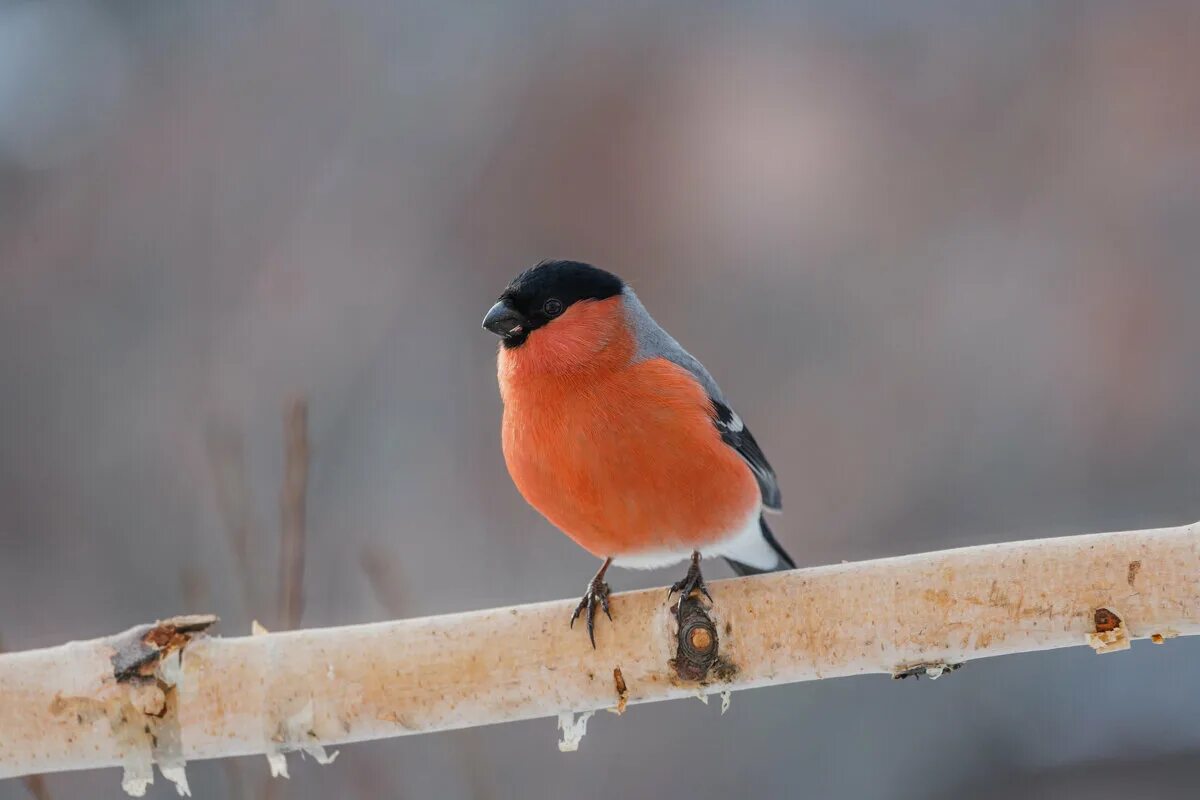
x=942, y=256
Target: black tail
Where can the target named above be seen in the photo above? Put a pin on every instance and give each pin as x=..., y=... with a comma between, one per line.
x=785, y=561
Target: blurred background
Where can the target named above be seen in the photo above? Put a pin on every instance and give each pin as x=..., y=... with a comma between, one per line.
x=942, y=256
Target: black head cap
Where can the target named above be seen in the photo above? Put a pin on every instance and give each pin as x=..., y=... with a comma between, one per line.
x=543, y=292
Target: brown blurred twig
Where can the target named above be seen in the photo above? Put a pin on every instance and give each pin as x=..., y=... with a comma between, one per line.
x=36, y=786
x=293, y=505
x=197, y=595
x=383, y=576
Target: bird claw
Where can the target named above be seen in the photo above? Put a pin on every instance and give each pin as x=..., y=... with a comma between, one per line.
x=692, y=582
x=597, y=591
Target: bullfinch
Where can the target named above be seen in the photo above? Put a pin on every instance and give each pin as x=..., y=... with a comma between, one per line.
x=621, y=438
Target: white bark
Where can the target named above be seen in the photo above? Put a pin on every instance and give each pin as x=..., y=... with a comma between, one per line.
x=197, y=696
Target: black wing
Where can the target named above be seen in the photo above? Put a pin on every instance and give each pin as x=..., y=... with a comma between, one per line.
x=735, y=434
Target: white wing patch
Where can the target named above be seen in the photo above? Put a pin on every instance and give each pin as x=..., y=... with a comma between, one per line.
x=735, y=434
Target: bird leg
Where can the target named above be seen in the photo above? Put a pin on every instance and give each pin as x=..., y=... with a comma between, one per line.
x=597, y=592
x=691, y=582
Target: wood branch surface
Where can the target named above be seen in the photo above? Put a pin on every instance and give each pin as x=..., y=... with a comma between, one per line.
x=171, y=694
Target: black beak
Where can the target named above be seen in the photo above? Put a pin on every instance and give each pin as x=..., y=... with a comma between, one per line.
x=504, y=320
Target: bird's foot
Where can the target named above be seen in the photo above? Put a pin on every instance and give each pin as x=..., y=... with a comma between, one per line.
x=692, y=582
x=596, y=594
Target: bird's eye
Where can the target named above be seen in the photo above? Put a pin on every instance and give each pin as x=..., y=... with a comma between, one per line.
x=553, y=307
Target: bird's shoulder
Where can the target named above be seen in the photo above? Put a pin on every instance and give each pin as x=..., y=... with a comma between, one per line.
x=653, y=342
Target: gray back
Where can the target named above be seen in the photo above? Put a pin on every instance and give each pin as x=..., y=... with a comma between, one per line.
x=654, y=342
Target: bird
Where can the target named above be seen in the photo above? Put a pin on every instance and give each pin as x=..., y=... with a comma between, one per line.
x=622, y=439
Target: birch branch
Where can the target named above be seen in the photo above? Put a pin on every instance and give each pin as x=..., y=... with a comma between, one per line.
x=169, y=694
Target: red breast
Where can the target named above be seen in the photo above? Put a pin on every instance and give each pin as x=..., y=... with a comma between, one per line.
x=622, y=456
